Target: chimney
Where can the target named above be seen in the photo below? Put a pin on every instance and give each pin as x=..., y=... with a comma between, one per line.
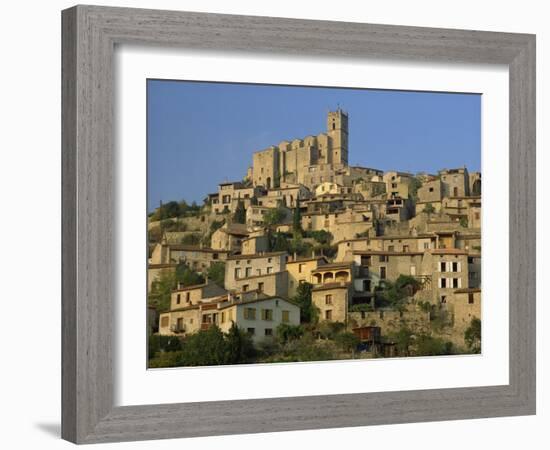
x=294, y=256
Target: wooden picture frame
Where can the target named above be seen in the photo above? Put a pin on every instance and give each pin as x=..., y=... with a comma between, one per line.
x=90, y=34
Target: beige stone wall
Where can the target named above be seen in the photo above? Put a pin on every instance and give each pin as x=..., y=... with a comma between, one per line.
x=189, y=322
x=391, y=321
x=260, y=322
x=299, y=272
x=243, y=267
x=197, y=258
x=270, y=284
x=153, y=274
x=335, y=301
x=455, y=278
x=455, y=182
x=464, y=311
x=430, y=191
x=265, y=168
x=255, y=244
x=191, y=296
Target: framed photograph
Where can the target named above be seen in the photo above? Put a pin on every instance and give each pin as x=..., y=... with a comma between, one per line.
x=268, y=230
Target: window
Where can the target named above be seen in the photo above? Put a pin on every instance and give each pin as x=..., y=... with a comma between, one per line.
x=383, y=258
x=270, y=270
x=328, y=299
x=405, y=248
x=188, y=297
x=269, y=260
x=178, y=299
x=179, y=324
x=442, y=266
x=394, y=185
x=470, y=298
x=443, y=299
x=267, y=314
x=269, y=331
x=300, y=267
x=251, y=331
x=245, y=287
x=214, y=256
x=382, y=273
x=248, y=271
x=223, y=317
x=431, y=189
x=250, y=313
x=164, y=321
x=260, y=287
x=443, y=283
x=238, y=272
x=456, y=283
x=391, y=248
x=258, y=271
x=286, y=316
x=328, y=314
x=426, y=245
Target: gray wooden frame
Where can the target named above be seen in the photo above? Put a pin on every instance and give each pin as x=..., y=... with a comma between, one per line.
x=89, y=36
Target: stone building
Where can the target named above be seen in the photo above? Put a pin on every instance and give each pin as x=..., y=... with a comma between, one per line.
x=258, y=316
x=291, y=162
x=397, y=184
x=229, y=237
x=239, y=267
x=300, y=269
x=196, y=257
x=455, y=182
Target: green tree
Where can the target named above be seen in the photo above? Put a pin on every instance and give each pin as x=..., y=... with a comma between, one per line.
x=186, y=276
x=403, y=340
x=274, y=216
x=239, y=347
x=329, y=330
x=297, y=218
x=432, y=346
x=286, y=333
x=472, y=335
x=161, y=289
x=216, y=273
x=204, y=348
x=240, y=213
x=347, y=341
x=414, y=185
x=308, y=311
x=428, y=208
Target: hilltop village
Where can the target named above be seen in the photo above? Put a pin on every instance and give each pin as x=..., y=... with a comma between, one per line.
x=310, y=258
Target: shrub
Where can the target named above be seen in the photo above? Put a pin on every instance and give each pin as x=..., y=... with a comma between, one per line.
x=472, y=335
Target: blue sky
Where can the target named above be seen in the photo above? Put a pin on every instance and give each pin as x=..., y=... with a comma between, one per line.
x=200, y=134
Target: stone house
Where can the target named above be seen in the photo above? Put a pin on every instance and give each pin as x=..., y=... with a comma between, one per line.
x=196, y=257
x=229, y=237
x=299, y=271
x=464, y=305
x=273, y=283
x=230, y=193
x=258, y=316
x=238, y=267
x=397, y=184
x=455, y=182
x=254, y=244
